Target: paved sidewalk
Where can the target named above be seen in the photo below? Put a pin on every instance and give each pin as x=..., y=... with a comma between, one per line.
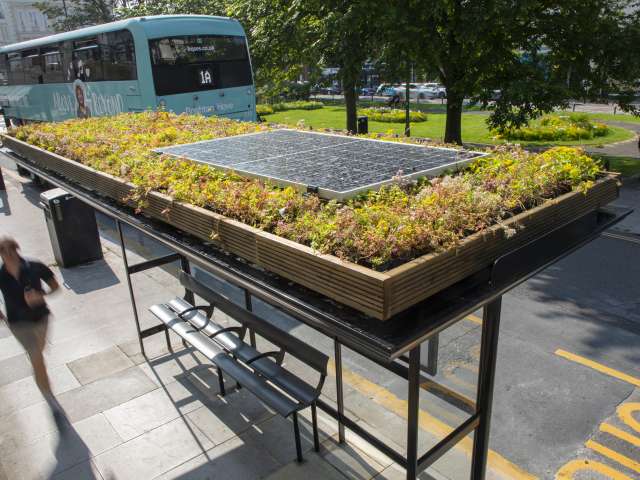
x=628, y=148
x=133, y=419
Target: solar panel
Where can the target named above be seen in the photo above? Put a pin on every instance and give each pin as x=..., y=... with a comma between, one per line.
x=334, y=166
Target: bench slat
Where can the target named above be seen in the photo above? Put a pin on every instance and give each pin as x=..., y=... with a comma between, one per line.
x=294, y=346
x=278, y=375
x=255, y=384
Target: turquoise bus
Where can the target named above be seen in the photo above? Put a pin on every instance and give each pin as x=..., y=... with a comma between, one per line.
x=182, y=63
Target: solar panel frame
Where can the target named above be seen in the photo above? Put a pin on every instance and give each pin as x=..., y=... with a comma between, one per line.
x=240, y=167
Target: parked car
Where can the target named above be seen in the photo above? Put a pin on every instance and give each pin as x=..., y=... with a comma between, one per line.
x=435, y=90
x=416, y=91
x=382, y=88
x=368, y=91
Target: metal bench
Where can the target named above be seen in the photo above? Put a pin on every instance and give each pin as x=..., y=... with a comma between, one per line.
x=262, y=373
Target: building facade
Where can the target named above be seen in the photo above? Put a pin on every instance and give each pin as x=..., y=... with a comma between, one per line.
x=20, y=20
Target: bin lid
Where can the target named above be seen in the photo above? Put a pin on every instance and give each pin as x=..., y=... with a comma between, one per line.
x=53, y=194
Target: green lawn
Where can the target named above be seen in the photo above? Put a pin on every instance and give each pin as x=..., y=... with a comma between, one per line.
x=474, y=128
x=615, y=118
x=627, y=166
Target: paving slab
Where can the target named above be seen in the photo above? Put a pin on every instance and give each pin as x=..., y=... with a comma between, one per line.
x=153, y=409
x=313, y=468
x=349, y=460
x=74, y=348
x=25, y=392
x=167, y=368
x=232, y=460
x=57, y=452
x=9, y=347
x=275, y=435
x=14, y=368
x=229, y=416
x=99, y=365
x=106, y=393
x=25, y=427
x=83, y=471
x=154, y=452
x=394, y=472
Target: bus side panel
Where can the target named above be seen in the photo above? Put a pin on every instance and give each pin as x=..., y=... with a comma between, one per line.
x=24, y=102
x=59, y=101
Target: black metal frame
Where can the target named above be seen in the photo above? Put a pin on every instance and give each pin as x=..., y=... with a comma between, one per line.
x=385, y=343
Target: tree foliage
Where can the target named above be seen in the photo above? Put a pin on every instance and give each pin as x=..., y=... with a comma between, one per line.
x=75, y=14
x=524, y=58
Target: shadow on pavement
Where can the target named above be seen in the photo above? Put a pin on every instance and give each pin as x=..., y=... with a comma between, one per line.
x=89, y=277
x=599, y=290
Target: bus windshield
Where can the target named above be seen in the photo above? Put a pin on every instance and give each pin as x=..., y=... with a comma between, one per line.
x=199, y=62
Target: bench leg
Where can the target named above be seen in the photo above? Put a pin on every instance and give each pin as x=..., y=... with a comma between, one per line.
x=296, y=432
x=166, y=336
x=221, y=382
x=314, y=420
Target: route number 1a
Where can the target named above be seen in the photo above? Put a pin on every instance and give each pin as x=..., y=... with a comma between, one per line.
x=205, y=77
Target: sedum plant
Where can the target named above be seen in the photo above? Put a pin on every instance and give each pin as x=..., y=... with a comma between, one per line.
x=380, y=229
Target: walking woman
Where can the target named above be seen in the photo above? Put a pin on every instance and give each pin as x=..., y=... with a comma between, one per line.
x=27, y=314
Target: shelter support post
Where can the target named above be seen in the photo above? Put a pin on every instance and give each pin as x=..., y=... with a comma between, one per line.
x=413, y=413
x=486, y=380
x=140, y=267
x=131, y=294
x=339, y=391
x=432, y=355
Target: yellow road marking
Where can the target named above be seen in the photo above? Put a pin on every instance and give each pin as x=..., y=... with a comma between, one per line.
x=474, y=319
x=625, y=412
x=599, y=367
x=570, y=469
x=427, y=422
x=615, y=456
x=621, y=434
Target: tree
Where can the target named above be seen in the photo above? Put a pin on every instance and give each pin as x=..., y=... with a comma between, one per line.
x=343, y=34
x=280, y=40
x=175, y=7
x=584, y=49
x=73, y=14
x=537, y=54
x=468, y=42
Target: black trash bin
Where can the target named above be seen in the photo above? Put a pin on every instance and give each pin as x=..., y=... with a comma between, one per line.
x=72, y=228
x=363, y=124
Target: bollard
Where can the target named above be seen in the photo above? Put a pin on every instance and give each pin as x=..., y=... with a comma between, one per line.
x=2, y=187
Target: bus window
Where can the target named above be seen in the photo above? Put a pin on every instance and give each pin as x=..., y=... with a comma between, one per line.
x=52, y=65
x=32, y=67
x=199, y=62
x=86, y=61
x=118, y=56
x=16, y=73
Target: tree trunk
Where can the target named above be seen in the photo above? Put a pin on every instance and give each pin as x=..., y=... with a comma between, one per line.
x=350, y=101
x=453, y=129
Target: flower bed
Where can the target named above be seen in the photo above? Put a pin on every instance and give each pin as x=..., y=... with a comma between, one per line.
x=390, y=115
x=575, y=126
x=408, y=232
x=267, y=109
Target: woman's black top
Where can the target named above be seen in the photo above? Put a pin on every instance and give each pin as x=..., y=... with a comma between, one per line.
x=32, y=274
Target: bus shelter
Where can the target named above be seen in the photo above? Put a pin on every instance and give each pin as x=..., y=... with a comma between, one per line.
x=396, y=344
